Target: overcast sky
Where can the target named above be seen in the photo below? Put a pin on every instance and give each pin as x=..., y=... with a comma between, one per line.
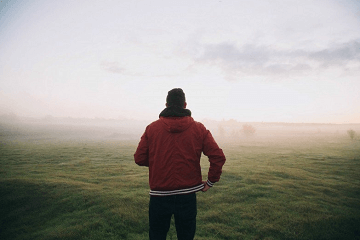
x=264, y=60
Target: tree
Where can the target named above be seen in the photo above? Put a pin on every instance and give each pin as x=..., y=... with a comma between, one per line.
x=351, y=133
x=235, y=134
x=221, y=131
x=248, y=129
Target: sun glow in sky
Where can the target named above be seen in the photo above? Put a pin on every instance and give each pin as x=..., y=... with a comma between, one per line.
x=282, y=61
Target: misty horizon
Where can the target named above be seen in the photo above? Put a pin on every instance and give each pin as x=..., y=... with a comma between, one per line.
x=12, y=117
x=57, y=129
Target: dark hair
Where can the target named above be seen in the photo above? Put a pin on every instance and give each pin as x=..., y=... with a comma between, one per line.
x=175, y=97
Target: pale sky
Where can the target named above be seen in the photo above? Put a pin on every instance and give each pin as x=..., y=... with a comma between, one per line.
x=264, y=60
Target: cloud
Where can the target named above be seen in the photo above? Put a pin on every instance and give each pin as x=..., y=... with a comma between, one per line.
x=260, y=60
x=338, y=55
x=225, y=52
x=112, y=67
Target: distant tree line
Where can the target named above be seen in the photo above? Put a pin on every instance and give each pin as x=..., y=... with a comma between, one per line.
x=246, y=130
x=351, y=134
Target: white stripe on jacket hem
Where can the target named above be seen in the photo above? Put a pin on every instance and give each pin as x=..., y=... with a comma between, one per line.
x=177, y=192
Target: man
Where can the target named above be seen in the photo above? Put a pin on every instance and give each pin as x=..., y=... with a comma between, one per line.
x=171, y=147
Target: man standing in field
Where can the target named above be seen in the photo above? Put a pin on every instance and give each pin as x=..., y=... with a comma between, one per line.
x=171, y=147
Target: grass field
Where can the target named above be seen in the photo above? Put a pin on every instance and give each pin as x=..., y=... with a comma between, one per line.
x=295, y=187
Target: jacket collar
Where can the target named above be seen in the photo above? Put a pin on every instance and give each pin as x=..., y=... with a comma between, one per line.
x=175, y=111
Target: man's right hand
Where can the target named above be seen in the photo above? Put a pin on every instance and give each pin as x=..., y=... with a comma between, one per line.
x=206, y=187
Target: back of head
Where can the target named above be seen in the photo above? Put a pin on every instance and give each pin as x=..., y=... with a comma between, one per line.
x=175, y=97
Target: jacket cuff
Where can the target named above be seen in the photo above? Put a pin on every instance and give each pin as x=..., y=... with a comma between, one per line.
x=209, y=183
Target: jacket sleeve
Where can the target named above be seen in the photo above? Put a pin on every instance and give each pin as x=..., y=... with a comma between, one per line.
x=141, y=155
x=216, y=158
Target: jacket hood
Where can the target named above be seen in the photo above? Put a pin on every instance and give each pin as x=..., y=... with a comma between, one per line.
x=176, y=124
x=176, y=119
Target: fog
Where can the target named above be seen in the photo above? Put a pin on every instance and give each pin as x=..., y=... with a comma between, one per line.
x=50, y=129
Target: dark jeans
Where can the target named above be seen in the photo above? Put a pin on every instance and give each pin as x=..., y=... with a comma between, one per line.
x=162, y=208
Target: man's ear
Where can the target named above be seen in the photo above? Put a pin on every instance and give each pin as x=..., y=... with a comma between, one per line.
x=166, y=105
x=185, y=105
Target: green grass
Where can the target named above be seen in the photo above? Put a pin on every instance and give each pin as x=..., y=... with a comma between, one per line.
x=291, y=188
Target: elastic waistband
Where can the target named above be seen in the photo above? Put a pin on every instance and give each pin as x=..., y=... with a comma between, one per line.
x=176, y=192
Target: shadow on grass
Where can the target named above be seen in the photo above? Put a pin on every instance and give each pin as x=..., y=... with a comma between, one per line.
x=335, y=228
x=59, y=211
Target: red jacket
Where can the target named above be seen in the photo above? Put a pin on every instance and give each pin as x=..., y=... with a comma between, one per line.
x=171, y=147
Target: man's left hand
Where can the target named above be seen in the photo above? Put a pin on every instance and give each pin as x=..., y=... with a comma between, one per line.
x=206, y=187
